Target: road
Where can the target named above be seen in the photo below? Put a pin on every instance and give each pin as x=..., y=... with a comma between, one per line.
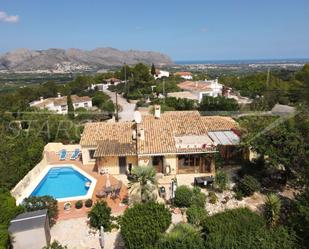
x=127, y=112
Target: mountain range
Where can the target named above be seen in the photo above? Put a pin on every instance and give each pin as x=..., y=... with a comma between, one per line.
x=70, y=60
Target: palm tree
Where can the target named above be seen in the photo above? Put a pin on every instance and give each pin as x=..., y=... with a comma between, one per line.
x=146, y=182
x=272, y=209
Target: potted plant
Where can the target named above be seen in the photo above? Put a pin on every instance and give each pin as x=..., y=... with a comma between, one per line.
x=88, y=203
x=79, y=204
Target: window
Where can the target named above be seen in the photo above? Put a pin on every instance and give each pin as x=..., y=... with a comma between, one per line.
x=63, y=108
x=86, y=104
x=91, y=154
x=189, y=164
x=76, y=105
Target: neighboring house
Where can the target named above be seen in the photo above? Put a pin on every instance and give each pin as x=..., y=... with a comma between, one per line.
x=282, y=110
x=172, y=142
x=101, y=87
x=59, y=104
x=160, y=74
x=30, y=230
x=200, y=89
x=184, y=75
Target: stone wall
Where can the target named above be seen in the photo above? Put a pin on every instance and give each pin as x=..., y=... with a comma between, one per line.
x=19, y=190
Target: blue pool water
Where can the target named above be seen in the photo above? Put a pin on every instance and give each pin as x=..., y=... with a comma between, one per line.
x=62, y=182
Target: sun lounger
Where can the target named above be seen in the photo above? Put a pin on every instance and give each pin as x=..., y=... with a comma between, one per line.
x=75, y=154
x=62, y=154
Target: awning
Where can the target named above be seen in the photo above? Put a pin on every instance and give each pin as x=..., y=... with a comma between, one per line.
x=224, y=137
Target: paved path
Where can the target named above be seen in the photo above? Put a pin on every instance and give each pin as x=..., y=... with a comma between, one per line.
x=127, y=112
x=76, y=234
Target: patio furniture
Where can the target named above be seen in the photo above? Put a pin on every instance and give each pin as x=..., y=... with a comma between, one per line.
x=101, y=194
x=75, y=154
x=67, y=206
x=203, y=181
x=62, y=154
x=108, y=190
x=117, y=189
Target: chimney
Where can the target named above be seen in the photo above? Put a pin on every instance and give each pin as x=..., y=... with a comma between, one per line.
x=41, y=99
x=196, y=83
x=157, y=111
x=142, y=134
x=59, y=95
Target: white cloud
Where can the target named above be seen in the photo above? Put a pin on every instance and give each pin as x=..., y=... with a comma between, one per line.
x=4, y=17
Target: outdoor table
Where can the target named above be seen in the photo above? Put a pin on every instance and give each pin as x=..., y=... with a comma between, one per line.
x=203, y=181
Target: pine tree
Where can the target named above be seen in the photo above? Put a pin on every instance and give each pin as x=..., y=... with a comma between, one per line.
x=70, y=107
x=153, y=69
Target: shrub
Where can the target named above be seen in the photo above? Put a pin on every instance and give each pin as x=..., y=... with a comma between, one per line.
x=79, y=204
x=55, y=245
x=8, y=208
x=272, y=209
x=34, y=203
x=248, y=185
x=100, y=215
x=212, y=197
x=299, y=219
x=198, y=198
x=143, y=224
x=196, y=215
x=183, y=196
x=183, y=236
x=88, y=203
x=238, y=194
x=243, y=229
x=4, y=237
x=221, y=180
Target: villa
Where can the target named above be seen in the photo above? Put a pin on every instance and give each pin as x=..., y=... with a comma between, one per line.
x=160, y=74
x=200, y=89
x=59, y=104
x=176, y=142
x=184, y=75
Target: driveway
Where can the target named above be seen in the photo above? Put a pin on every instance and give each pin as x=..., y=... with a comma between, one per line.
x=127, y=112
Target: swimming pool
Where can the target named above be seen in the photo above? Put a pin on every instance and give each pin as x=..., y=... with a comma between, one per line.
x=63, y=182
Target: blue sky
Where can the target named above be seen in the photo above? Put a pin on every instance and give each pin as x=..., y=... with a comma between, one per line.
x=185, y=30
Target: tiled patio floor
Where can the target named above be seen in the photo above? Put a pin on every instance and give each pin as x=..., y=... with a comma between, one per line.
x=115, y=204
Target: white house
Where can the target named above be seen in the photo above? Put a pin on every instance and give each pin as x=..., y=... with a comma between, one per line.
x=184, y=75
x=101, y=87
x=59, y=104
x=210, y=88
x=160, y=74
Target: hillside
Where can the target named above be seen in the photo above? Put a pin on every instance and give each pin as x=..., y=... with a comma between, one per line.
x=61, y=60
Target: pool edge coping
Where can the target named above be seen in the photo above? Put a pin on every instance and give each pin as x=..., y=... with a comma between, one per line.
x=32, y=186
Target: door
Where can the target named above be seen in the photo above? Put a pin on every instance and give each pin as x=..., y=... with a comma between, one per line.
x=122, y=165
x=157, y=162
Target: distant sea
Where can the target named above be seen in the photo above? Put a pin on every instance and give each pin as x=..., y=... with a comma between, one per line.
x=237, y=62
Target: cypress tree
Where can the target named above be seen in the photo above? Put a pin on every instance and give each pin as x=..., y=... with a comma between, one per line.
x=153, y=69
x=70, y=107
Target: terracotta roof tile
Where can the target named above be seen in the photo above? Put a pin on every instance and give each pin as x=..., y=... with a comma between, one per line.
x=194, y=86
x=159, y=134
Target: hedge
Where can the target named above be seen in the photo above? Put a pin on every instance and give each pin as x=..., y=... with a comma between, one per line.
x=243, y=229
x=143, y=224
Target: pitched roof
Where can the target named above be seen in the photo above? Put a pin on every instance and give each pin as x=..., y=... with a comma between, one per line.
x=109, y=138
x=61, y=101
x=194, y=86
x=28, y=221
x=161, y=136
